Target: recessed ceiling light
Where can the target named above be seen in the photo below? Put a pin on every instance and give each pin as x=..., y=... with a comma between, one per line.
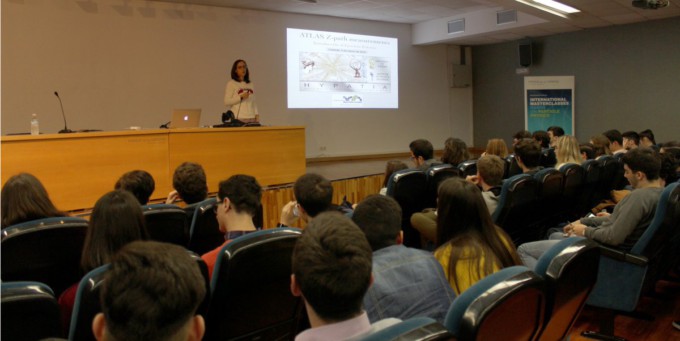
x=550, y=6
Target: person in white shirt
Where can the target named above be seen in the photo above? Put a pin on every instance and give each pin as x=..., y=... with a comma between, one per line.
x=239, y=96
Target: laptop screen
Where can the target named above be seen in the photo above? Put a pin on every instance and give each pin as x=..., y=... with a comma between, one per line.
x=185, y=118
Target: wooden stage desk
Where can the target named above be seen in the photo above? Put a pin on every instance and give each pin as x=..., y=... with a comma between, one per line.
x=78, y=168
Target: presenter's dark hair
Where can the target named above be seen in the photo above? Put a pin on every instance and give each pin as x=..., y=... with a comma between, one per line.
x=116, y=220
x=24, y=198
x=422, y=147
x=379, y=216
x=234, y=76
x=138, y=182
x=244, y=193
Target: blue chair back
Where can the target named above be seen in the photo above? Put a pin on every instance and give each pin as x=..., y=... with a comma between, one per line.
x=513, y=167
x=417, y=328
x=205, y=234
x=468, y=167
x=548, y=158
x=570, y=271
x=167, y=223
x=44, y=250
x=250, y=287
x=550, y=183
x=589, y=196
x=435, y=175
x=29, y=312
x=509, y=304
x=571, y=189
x=517, y=207
x=409, y=188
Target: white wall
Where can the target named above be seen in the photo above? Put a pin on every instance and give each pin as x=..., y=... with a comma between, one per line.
x=124, y=63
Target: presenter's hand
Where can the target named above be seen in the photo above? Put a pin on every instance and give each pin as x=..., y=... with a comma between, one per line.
x=172, y=197
x=245, y=95
x=287, y=216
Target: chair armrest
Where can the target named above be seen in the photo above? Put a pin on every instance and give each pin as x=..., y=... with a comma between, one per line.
x=623, y=256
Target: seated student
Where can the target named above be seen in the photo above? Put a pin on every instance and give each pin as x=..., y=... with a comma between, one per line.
x=615, y=141
x=631, y=140
x=528, y=156
x=470, y=245
x=332, y=272
x=587, y=151
x=191, y=186
x=238, y=201
x=567, y=151
x=455, y=151
x=554, y=133
x=631, y=216
x=116, y=220
x=313, y=194
x=394, y=292
x=151, y=292
x=391, y=167
x=24, y=198
x=519, y=136
x=422, y=154
x=600, y=146
x=496, y=147
x=647, y=139
x=542, y=138
x=138, y=182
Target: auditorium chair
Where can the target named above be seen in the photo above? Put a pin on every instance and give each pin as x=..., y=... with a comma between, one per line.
x=550, y=200
x=571, y=191
x=409, y=188
x=506, y=305
x=513, y=167
x=517, y=207
x=548, y=158
x=569, y=269
x=435, y=175
x=205, y=234
x=468, y=167
x=87, y=304
x=625, y=275
x=167, y=223
x=608, y=171
x=588, y=197
x=417, y=328
x=29, y=312
x=45, y=250
x=251, y=296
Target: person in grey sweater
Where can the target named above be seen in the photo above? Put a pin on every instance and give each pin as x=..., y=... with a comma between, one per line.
x=630, y=218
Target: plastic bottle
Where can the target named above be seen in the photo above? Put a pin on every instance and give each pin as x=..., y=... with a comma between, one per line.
x=35, y=127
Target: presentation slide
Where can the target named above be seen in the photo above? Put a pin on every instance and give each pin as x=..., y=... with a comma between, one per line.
x=341, y=70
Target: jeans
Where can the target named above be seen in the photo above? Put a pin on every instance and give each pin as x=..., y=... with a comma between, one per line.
x=532, y=251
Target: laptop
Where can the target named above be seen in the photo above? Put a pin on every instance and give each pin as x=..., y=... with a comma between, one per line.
x=185, y=118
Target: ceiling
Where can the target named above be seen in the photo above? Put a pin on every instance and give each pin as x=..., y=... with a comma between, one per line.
x=421, y=13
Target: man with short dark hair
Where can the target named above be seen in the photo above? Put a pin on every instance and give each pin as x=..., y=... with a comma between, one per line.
x=313, y=195
x=190, y=184
x=615, y=141
x=151, y=292
x=631, y=140
x=554, y=133
x=490, y=169
x=631, y=216
x=528, y=156
x=394, y=292
x=331, y=272
x=422, y=154
x=647, y=139
x=138, y=182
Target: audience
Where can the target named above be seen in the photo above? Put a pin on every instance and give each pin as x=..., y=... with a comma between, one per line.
x=528, y=156
x=555, y=132
x=615, y=141
x=422, y=154
x=138, y=182
x=542, y=138
x=631, y=216
x=489, y=178
x=567, y=151
x=391, y=167
x=116, y=220
x=331, y=272
x=151, y=292
x=313, y=194
x=496, y=147
x=191, y=186
x=24, y=199
x=600, y=146
x=470, y=245
x=587, y=151
x=647, y=139
x=631, y=140
x=394, y=292
x=238, y=201
x=455, y=151
x=519, y=136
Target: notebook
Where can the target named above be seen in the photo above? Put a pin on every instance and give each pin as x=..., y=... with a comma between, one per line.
x=185, y=118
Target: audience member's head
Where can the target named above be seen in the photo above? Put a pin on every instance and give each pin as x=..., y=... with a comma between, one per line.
x=190, y=182
x=391, y=167
x=379, y=217
x=421, y=151
x=641, y=165
x=615, y=139
x=631, y=140
x=567, y=150
x=600, y=145
x=542, y=138
x=490, y=169
x=672, y=147
x=314, y=194
x=670, y=168
x=587, y=151
x=528, y=153
x=116, y=220
x=647, y=138
x=519, y=136
x=554, y=132
x=332, y=264
x=455, y=151
x=151, y=292
x=238, y=195
x=138, y=182
x=497, y=147
x=24, y=199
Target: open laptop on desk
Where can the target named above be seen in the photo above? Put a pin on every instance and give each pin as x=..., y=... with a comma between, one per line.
x=185, y=118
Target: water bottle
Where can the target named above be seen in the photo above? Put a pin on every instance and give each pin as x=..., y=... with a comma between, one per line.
x=35, y=127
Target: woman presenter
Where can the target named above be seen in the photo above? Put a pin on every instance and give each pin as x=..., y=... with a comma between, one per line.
x=239, y=95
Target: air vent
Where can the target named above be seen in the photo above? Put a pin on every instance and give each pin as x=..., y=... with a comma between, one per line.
x=456, y=26
x=506, y=17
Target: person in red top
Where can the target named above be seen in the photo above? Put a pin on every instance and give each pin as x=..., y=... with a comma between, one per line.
x=238, y=200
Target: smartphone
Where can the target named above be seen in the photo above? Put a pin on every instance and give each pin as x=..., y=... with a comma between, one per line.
x=590, y=215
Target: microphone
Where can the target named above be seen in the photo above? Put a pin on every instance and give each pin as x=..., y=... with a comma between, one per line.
x=66, y=129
